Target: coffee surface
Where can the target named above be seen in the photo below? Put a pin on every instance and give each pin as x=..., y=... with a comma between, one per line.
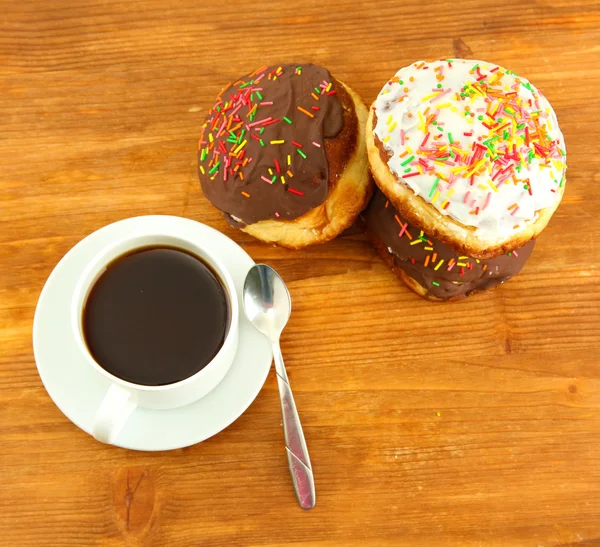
x=156, y=316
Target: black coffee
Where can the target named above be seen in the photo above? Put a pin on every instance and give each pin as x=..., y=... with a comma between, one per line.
x=156, y=316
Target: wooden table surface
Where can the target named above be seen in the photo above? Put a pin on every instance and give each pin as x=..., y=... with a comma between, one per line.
x=430, y=425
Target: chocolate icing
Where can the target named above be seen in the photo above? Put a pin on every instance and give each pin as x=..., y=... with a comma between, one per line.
x=383, y=224
x=248, y=165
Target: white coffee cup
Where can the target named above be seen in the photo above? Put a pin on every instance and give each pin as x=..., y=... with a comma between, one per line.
x=122, y=397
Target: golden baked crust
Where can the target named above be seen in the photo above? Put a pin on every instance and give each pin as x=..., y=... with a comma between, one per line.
x=349, y=193
x=463, y=239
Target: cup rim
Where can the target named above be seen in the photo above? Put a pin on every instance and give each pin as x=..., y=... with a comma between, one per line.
x=94, y=269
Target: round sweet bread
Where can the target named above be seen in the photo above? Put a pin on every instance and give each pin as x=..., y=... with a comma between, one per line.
x=469, y=152
x=282, y=154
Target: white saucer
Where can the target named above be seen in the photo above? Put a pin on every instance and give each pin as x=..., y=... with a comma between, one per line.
x=77, y=389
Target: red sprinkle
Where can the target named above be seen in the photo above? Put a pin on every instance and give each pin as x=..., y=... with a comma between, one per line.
x=298, y=192
x=297, y=144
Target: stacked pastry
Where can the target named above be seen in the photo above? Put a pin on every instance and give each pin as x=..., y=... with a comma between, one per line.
x=282, y=154
x=470, y=166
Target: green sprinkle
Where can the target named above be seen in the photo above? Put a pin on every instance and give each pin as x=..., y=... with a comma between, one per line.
x=519, y=167
x=401, y=82
x=215, y=168
x=245, y=85
x=527, y=85
x=203, y=154
x=530, y=156
x=435, y=283
x=439, y=86
x=407, y=170
x=262, y=143
x=434, y=122
x=434, y=186
x=301, y=153
x=562, y=181
x=505, y=135
x=218, y=109
x=287, y=119
x=487, y=154
x=407, y=161
x=520, y=126
x=251, y=97
x=262, y=130
x=241, y=135
x=489, y=141
x=259, y=95
x=527, y=186
x=562, y=152
x=231, y=140
x=480, y=117
x=450, y=138
x=274, y=178
x=508, y=254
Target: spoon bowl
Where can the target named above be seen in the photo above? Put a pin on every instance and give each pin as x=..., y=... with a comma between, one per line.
x=267, y=301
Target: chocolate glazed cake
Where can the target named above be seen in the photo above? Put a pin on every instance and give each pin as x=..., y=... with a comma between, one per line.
x=282, y=155
x=430, y=268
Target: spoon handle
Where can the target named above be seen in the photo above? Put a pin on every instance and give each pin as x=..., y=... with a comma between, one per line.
x=297, y=453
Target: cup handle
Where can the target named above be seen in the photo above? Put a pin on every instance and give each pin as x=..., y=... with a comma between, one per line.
x=113, y=413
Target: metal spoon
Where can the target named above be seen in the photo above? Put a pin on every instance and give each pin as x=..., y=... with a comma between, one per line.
x=268, y=306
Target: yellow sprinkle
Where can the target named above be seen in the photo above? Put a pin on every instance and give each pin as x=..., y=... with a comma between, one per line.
x=492, y=186
x=422, y=124
x=240, y=147
x=289, y=159
x=393, y=126
x=445, y=105
x=461, y=264
x=458, y=169
x=454, y=109
x=450, y=193
x=282, y=179
x=427, y=97
x=202, y=170
x=389, y=120
x=210, y=137
x=409, y=149
x=435, y=197
x=445, y=203
x=441, y=175
x=276, y=142
x=428, y=248
x=270, y=171
x=438, y=412
x=416, y=242
x=463, y=258
x=437, y=267
x=476, y=168
x=328, y=88
x=386, y=139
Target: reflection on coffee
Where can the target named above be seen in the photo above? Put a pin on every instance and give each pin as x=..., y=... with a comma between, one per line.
x=156, y=316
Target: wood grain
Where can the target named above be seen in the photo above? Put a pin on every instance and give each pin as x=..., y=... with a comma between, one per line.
x=473, y=423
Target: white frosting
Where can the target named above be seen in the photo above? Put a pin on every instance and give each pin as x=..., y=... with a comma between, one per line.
x=451, y=171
